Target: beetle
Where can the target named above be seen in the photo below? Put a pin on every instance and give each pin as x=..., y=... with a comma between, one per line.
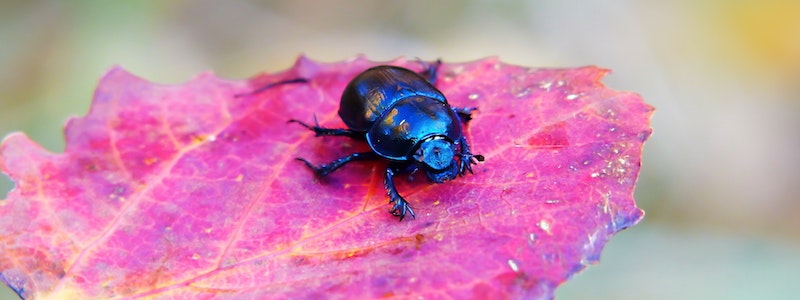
x=404, y=119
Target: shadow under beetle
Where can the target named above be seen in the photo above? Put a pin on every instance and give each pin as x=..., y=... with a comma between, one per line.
x=404, y=119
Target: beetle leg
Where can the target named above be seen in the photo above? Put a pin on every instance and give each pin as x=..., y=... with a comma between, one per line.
x=400, y=207
x=271, y=85
x=464, y=113
x=467, y=158
x=326, y=169
x=431, y=71
x=320, y=131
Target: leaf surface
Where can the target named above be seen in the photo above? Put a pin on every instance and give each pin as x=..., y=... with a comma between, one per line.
x=190, y=191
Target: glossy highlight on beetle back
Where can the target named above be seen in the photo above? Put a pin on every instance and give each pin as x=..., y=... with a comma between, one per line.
x=410, y=121
x=375, y=90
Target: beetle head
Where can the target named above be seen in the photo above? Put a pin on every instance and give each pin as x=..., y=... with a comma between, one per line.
x=437, y=155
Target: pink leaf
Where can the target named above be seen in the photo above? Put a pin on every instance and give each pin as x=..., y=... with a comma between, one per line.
x=188, y=191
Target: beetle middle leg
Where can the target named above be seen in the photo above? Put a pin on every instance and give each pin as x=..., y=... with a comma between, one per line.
x=431, y=71
x=326, y=169
x=320, y=131
x=464, y=113
x=400, y=207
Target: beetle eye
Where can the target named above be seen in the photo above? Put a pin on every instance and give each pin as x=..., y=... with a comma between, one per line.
x=437, y=154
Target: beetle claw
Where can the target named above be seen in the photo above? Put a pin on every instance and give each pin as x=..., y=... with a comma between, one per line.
x=467, y=159
x=320, y=171
x=466, y=162
x=318, y=131
x=401, y=207
x=301, y=123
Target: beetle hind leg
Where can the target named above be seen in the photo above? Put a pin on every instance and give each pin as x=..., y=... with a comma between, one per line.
x=324, y=170
x=400, y=206
x=431, y=70
x=320, y=131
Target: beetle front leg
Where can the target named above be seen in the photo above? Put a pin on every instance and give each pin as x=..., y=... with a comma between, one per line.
x=400, y=207
x=320, y=131
x=326, y=169
x=467, y=159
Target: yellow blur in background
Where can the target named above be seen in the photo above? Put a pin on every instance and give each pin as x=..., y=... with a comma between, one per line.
x=719, y=180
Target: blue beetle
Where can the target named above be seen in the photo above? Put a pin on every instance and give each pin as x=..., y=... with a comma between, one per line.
x=406, y=120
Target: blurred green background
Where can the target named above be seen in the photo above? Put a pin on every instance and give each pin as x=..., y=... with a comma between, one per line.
x=719, y=180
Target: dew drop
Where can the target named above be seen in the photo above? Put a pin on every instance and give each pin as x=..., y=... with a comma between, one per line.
x=544, y=225
x=642, y=135
x=512, y=263
x=118, y=193
x=523, y=93
x=438, y=237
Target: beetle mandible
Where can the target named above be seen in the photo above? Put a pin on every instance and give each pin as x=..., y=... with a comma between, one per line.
x=406, y=120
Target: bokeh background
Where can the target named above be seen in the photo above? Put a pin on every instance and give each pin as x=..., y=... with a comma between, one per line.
x=719, y=180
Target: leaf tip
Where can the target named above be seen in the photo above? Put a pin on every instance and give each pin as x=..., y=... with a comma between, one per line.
x=302, y=60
